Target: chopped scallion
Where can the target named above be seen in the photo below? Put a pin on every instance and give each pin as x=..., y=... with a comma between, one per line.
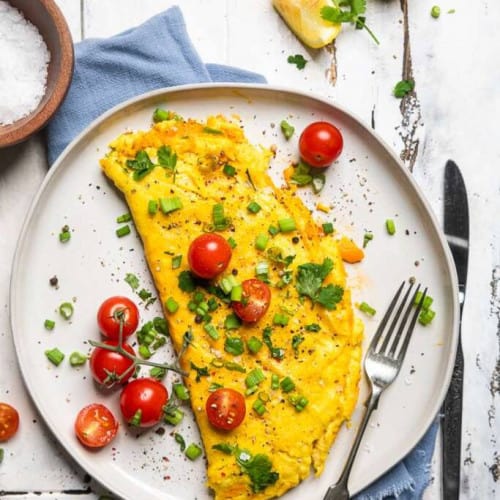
x=280, y=319
x=229, y=170
x=211, y=330
x=176, y=261
x=227, y=283
x=160, y=115
x=181, y=391
x=259, y=407
x=123, y=231
x=254, y=345
x=232, y=242
x=253, y=207
x=261, y=241
x=64, y=235
x=173, y=416
x=328, y=228
x=180, y=441
x=390, y=226
x=426, y=316
x=124, y=218
x=169, y=205
x=427, y=301
x=287, y=129
x=193, y=451
x=367, y=238
x=49, y=324
x=287, y=225
x=275, y=381
x=144, y=351
x=171, y=305
x=158, y=372
x=255, y=377
x=273, y=230
x=152, y=207
x=287, y=384
x=367, y=309
x=77, y=359
x=66, y=310
x=262, y=269
x=232, y=322
x=55, y=356
x=219, y=218
x=237, y=293
x=318, y=182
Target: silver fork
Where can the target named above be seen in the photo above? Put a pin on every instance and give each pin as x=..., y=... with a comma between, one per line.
x=382, y=364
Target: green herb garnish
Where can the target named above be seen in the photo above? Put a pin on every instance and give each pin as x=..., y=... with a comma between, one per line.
x=132, y=280
x=348, y=11
x=259, y=469
x=141, y=165
x=186, y=281
x=309, y=283
x=298, y=60
x=403, y=88
x=287, y=129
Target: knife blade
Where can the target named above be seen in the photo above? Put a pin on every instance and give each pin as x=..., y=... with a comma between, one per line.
x=456, y=229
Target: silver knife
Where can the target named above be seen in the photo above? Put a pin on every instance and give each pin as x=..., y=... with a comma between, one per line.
x=456, y=228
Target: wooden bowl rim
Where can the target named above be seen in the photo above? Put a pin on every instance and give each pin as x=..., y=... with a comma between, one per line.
x=12, y=134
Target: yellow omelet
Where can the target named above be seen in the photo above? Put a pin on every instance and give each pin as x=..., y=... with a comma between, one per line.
x=308, y=362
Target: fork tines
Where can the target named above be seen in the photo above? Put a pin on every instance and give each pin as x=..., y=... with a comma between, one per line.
x=384, y=340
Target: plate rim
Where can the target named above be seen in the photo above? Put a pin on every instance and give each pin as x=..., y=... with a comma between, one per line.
x=282, y=89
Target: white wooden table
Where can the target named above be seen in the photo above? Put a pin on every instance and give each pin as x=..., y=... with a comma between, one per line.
x=454, y=61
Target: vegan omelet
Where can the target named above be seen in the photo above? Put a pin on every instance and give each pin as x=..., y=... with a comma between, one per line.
x=182, y=178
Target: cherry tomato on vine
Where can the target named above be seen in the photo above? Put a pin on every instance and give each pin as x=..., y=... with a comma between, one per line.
x=110, y=367
x=116, y=310
x=142, y=402
x=209, y=255
x=95, y=426
x=225, y=408
x=320, y=144
x=255, y=301
x=9, y=421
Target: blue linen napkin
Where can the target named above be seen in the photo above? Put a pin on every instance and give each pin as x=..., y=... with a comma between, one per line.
x=159, y=54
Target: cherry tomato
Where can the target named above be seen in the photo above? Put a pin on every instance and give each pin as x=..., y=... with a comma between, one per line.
x=115, y=310
x=9, y=421
x=255, y=301
x=95, y=426
x=109, y=367
x=320, y=144
x=209, y=255
x=225, y=409
x=142, y=401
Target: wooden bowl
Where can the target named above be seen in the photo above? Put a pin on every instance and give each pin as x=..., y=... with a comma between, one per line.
x=50, y=22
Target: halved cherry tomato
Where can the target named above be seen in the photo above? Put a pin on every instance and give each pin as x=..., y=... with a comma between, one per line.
x=110, y=367
x=255, y=301
x=95, y=426
x=320, y=144
x=225, y=409
x=114, y=311
x=209, y=255
x=9, y=421
x=142, y=402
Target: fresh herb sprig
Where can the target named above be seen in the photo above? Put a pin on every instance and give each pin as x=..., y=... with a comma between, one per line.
x=348, y=11
x=310, y=278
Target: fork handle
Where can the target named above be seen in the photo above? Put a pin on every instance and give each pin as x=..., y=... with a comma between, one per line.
x=339, y=491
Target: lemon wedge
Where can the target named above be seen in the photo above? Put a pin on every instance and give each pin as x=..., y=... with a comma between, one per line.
x=304, y=19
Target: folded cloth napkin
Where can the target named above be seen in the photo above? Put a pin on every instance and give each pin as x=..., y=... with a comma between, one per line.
x=159, y=54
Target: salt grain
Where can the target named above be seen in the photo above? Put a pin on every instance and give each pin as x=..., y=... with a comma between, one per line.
x=24, y=60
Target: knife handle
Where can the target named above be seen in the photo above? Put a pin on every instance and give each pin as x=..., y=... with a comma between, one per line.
x=452, y=430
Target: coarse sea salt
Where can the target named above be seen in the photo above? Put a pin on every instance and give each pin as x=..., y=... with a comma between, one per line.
x=24, y=60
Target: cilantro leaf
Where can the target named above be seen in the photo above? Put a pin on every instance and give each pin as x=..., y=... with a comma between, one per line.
x=329, y=296
x=403, y=87
x=298, y=60
x=259, y=469
x=310, y=278
x=287, y=129
x=348, y=11
x=141, y=165
x=132, y=280
x=166, y=157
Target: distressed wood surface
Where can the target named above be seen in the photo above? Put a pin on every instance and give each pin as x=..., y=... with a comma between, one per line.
x=451, y=114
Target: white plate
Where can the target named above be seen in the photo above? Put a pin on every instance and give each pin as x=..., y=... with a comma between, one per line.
x=365, y=187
